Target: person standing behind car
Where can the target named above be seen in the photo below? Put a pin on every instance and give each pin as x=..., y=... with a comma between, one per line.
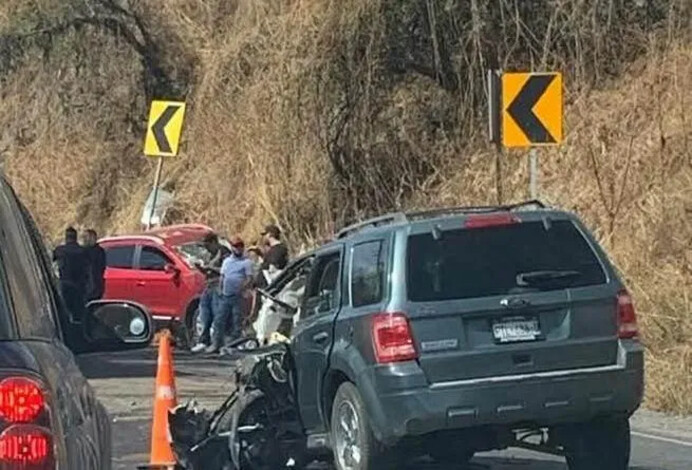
x=277, y=253
x=73, y=268
x=275, y=256
x=210, y=298
x=236, y=277
x=97, y=266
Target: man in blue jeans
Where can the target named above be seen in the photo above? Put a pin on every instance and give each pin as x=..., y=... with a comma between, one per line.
x=236, y=276
x=210, y=300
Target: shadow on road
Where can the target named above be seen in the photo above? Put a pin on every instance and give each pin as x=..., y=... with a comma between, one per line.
x=497, y=463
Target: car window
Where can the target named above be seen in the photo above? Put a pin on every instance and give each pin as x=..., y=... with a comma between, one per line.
x=368, y=273
x=57, y=308
x=482, y=262
x=5, y=310
x=23, y=256
x=120, y=256
x=323, y=288
x=153, y=259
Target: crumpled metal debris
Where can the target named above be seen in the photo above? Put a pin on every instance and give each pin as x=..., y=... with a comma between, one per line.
x=258, y=426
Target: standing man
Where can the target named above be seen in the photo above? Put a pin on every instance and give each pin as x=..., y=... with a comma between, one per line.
x=211, y=296
x=277, y=253
x=73, y=266
x=236, y=277
x=97, y=266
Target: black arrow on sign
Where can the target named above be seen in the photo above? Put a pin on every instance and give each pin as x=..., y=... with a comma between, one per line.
x=159, y=129
x=521, y=109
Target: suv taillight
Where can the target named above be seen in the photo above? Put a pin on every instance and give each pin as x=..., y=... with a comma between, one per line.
x=26, y=447
x=26, y=442
x=627, y=318
x=392, y=337
x=490, y=220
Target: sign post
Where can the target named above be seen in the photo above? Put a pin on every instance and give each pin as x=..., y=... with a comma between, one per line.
x=157, y=182
x=531, y=115
x=163, y=138
x=494, y=127
x=533, y=173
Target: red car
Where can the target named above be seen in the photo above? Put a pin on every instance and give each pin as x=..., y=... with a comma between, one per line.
x=157, y=270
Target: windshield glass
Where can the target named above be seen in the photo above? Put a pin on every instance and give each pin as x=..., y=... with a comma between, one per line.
x=194, y=253
x=482, y=262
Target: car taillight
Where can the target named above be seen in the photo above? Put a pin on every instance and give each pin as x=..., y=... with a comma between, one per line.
x=393, y=339
x=26, y=447
x=490, y=220
x=21, y=400
x=627, y=318
x=26, y=442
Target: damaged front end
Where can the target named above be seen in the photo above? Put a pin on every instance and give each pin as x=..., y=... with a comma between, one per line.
x=258, y=426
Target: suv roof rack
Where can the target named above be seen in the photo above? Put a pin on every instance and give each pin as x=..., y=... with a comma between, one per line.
x=374, y=222
x=396, y=217
x=474, y=209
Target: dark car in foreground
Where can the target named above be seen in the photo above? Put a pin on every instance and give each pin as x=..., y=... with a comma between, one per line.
x=49, y=415
x=455, y=331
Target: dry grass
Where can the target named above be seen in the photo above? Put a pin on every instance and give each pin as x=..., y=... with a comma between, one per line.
x=314, y=112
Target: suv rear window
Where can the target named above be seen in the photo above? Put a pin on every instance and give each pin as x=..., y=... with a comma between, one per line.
x=483, y=262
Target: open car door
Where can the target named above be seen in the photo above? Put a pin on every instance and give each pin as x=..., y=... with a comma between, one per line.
x=280, y=302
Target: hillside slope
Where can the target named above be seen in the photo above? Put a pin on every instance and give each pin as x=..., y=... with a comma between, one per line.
x=317, y=112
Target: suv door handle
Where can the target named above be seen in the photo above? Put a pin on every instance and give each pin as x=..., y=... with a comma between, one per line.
x=320, y=338
x=141, y=283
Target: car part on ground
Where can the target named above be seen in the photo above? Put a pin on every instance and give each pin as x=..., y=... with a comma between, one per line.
x=258, y=427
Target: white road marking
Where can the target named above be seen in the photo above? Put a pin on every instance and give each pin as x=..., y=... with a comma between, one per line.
x=662, y=439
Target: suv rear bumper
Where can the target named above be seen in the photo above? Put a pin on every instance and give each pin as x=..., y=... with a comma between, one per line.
x=401, y=403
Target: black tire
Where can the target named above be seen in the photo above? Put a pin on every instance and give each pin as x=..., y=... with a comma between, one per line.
x=106, y=437
x=258, y=450
x=355, y=448
x=604, y=444
x=191, y=334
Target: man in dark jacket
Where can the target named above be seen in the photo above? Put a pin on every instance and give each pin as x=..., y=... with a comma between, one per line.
x=73, y=266
x=97, y=266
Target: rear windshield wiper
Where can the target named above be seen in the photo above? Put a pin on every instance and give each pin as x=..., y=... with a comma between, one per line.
x=535, y=278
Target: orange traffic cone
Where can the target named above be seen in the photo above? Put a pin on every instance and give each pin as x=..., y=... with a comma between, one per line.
x=164, y=399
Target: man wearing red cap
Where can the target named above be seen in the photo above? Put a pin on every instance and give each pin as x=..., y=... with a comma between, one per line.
x=236, y=276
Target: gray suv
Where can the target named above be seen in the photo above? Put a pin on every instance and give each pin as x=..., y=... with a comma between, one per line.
x=461, y=330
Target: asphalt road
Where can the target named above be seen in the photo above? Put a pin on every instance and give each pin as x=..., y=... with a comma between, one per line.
x=125, y=383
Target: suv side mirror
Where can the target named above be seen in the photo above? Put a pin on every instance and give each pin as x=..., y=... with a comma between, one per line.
x=117, y=325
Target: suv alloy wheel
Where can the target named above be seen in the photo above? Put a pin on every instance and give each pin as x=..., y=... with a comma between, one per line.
x=355, y=446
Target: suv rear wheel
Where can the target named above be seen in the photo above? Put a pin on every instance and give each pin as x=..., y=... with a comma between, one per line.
x=355, y=446
x=600, y=445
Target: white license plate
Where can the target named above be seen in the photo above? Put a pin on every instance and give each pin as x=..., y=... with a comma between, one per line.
x=516, y=329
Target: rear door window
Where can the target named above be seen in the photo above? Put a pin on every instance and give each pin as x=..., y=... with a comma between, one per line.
x=483, y=262
x=322, y=293
x=120, y=257
x=26, y=272
x=153, y=259
x=368, y=273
